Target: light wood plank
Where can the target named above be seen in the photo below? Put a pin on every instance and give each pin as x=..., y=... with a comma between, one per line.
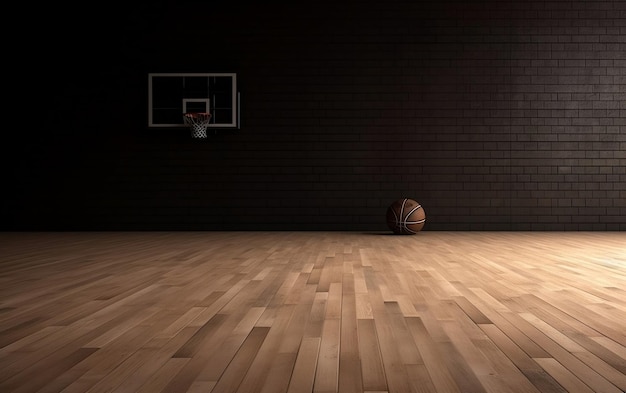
x=564, y=376
x=231, y=378
x=373, y=371
x=350, y=378
x=438, y=370
x=327, y=370
x=303, y=375
x=257, y=373
x=534, y=373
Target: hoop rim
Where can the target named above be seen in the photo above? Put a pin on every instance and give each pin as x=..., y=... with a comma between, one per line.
x=197, y=114
x=198, y=122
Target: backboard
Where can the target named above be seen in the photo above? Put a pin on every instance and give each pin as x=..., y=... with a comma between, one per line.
x=172, y=94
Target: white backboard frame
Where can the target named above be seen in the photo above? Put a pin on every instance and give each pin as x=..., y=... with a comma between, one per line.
x=166, y=108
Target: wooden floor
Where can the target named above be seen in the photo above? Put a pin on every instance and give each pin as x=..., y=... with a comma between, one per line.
x=313, y=312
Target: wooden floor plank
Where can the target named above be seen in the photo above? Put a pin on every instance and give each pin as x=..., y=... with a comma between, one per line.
x=303, y=312
x=395, y=370
x=257, y=373
x=32, y=381
x=279, y=374
x=540, y=333
x=350, y=377
x=372, y=368
x=151, y=357
x=232, y=377
x=535, y=375
x=564, y=376
x=327, y=370
x=164, y=376
x=226, y=349
x=434, y=362
x=303, y=375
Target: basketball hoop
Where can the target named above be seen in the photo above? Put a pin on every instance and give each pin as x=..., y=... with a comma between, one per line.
x=197, y=122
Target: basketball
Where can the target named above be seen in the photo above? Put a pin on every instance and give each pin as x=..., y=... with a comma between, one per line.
x=405, y=217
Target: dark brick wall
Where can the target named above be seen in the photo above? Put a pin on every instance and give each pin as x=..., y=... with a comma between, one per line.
x=494, y=115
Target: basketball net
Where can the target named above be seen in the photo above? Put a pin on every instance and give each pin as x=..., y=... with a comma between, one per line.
x=198, y=122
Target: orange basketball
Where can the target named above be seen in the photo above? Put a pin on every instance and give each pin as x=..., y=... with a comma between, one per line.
x=405, y=217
